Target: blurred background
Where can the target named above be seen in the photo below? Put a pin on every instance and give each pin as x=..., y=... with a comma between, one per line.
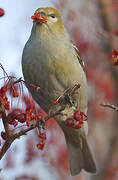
x=92, y=25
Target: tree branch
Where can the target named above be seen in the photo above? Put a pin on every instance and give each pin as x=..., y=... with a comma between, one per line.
x=111, y=106
x=4, y=118
x=58, y=111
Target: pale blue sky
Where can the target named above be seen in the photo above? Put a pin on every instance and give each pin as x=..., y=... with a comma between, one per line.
x=15, y=28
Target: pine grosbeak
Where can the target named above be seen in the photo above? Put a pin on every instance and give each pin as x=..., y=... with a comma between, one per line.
x=53, y=62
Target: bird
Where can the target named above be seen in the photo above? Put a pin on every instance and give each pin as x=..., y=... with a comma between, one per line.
x=50, y=59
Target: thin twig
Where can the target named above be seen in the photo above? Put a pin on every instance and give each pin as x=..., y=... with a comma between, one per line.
x=74, y=88
x=109, y=106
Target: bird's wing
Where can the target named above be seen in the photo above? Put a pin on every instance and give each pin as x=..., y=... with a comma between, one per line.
x=78, y=56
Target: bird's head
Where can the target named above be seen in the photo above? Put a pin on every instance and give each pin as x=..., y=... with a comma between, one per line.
x=48, y=18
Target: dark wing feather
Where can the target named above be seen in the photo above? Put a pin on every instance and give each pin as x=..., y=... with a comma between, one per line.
x=78, y=56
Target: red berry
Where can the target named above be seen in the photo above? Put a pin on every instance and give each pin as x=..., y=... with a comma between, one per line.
x=4, y=135
x=43, y=136
x=28, y=117
x=2, y=12
x=4, y=89
x=21, y=118
x=77, y=115
x=84, y=116
x=33, y=116
x=116, y=63
x=40, y=145
x=55, y=102
x=69, y=122
x=78, y=125
x=81, y=122
x=15, y=123
x=38, y=118
x=80, y=116
x=15, y=94
x=13, y=91
x=114, y=53
x=12, y=115
x=6, y=105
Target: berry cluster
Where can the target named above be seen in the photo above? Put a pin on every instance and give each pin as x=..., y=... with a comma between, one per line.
x=77, y=120
x=13, y=114
x=42, y=140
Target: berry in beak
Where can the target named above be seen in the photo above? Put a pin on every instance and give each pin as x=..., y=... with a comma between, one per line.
x=39, y=17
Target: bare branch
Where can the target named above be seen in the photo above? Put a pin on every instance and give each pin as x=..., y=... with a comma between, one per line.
x=4, y=118
x=110, y=106
x=11, y=136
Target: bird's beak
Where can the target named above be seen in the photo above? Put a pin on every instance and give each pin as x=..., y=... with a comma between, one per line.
x=39, y=17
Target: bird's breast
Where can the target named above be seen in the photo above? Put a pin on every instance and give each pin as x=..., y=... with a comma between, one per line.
x=53, y=67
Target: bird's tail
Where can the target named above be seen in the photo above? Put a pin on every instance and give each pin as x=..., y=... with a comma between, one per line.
x=80, y=156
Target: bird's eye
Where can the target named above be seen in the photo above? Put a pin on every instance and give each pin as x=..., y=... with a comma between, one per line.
x=53, y=16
